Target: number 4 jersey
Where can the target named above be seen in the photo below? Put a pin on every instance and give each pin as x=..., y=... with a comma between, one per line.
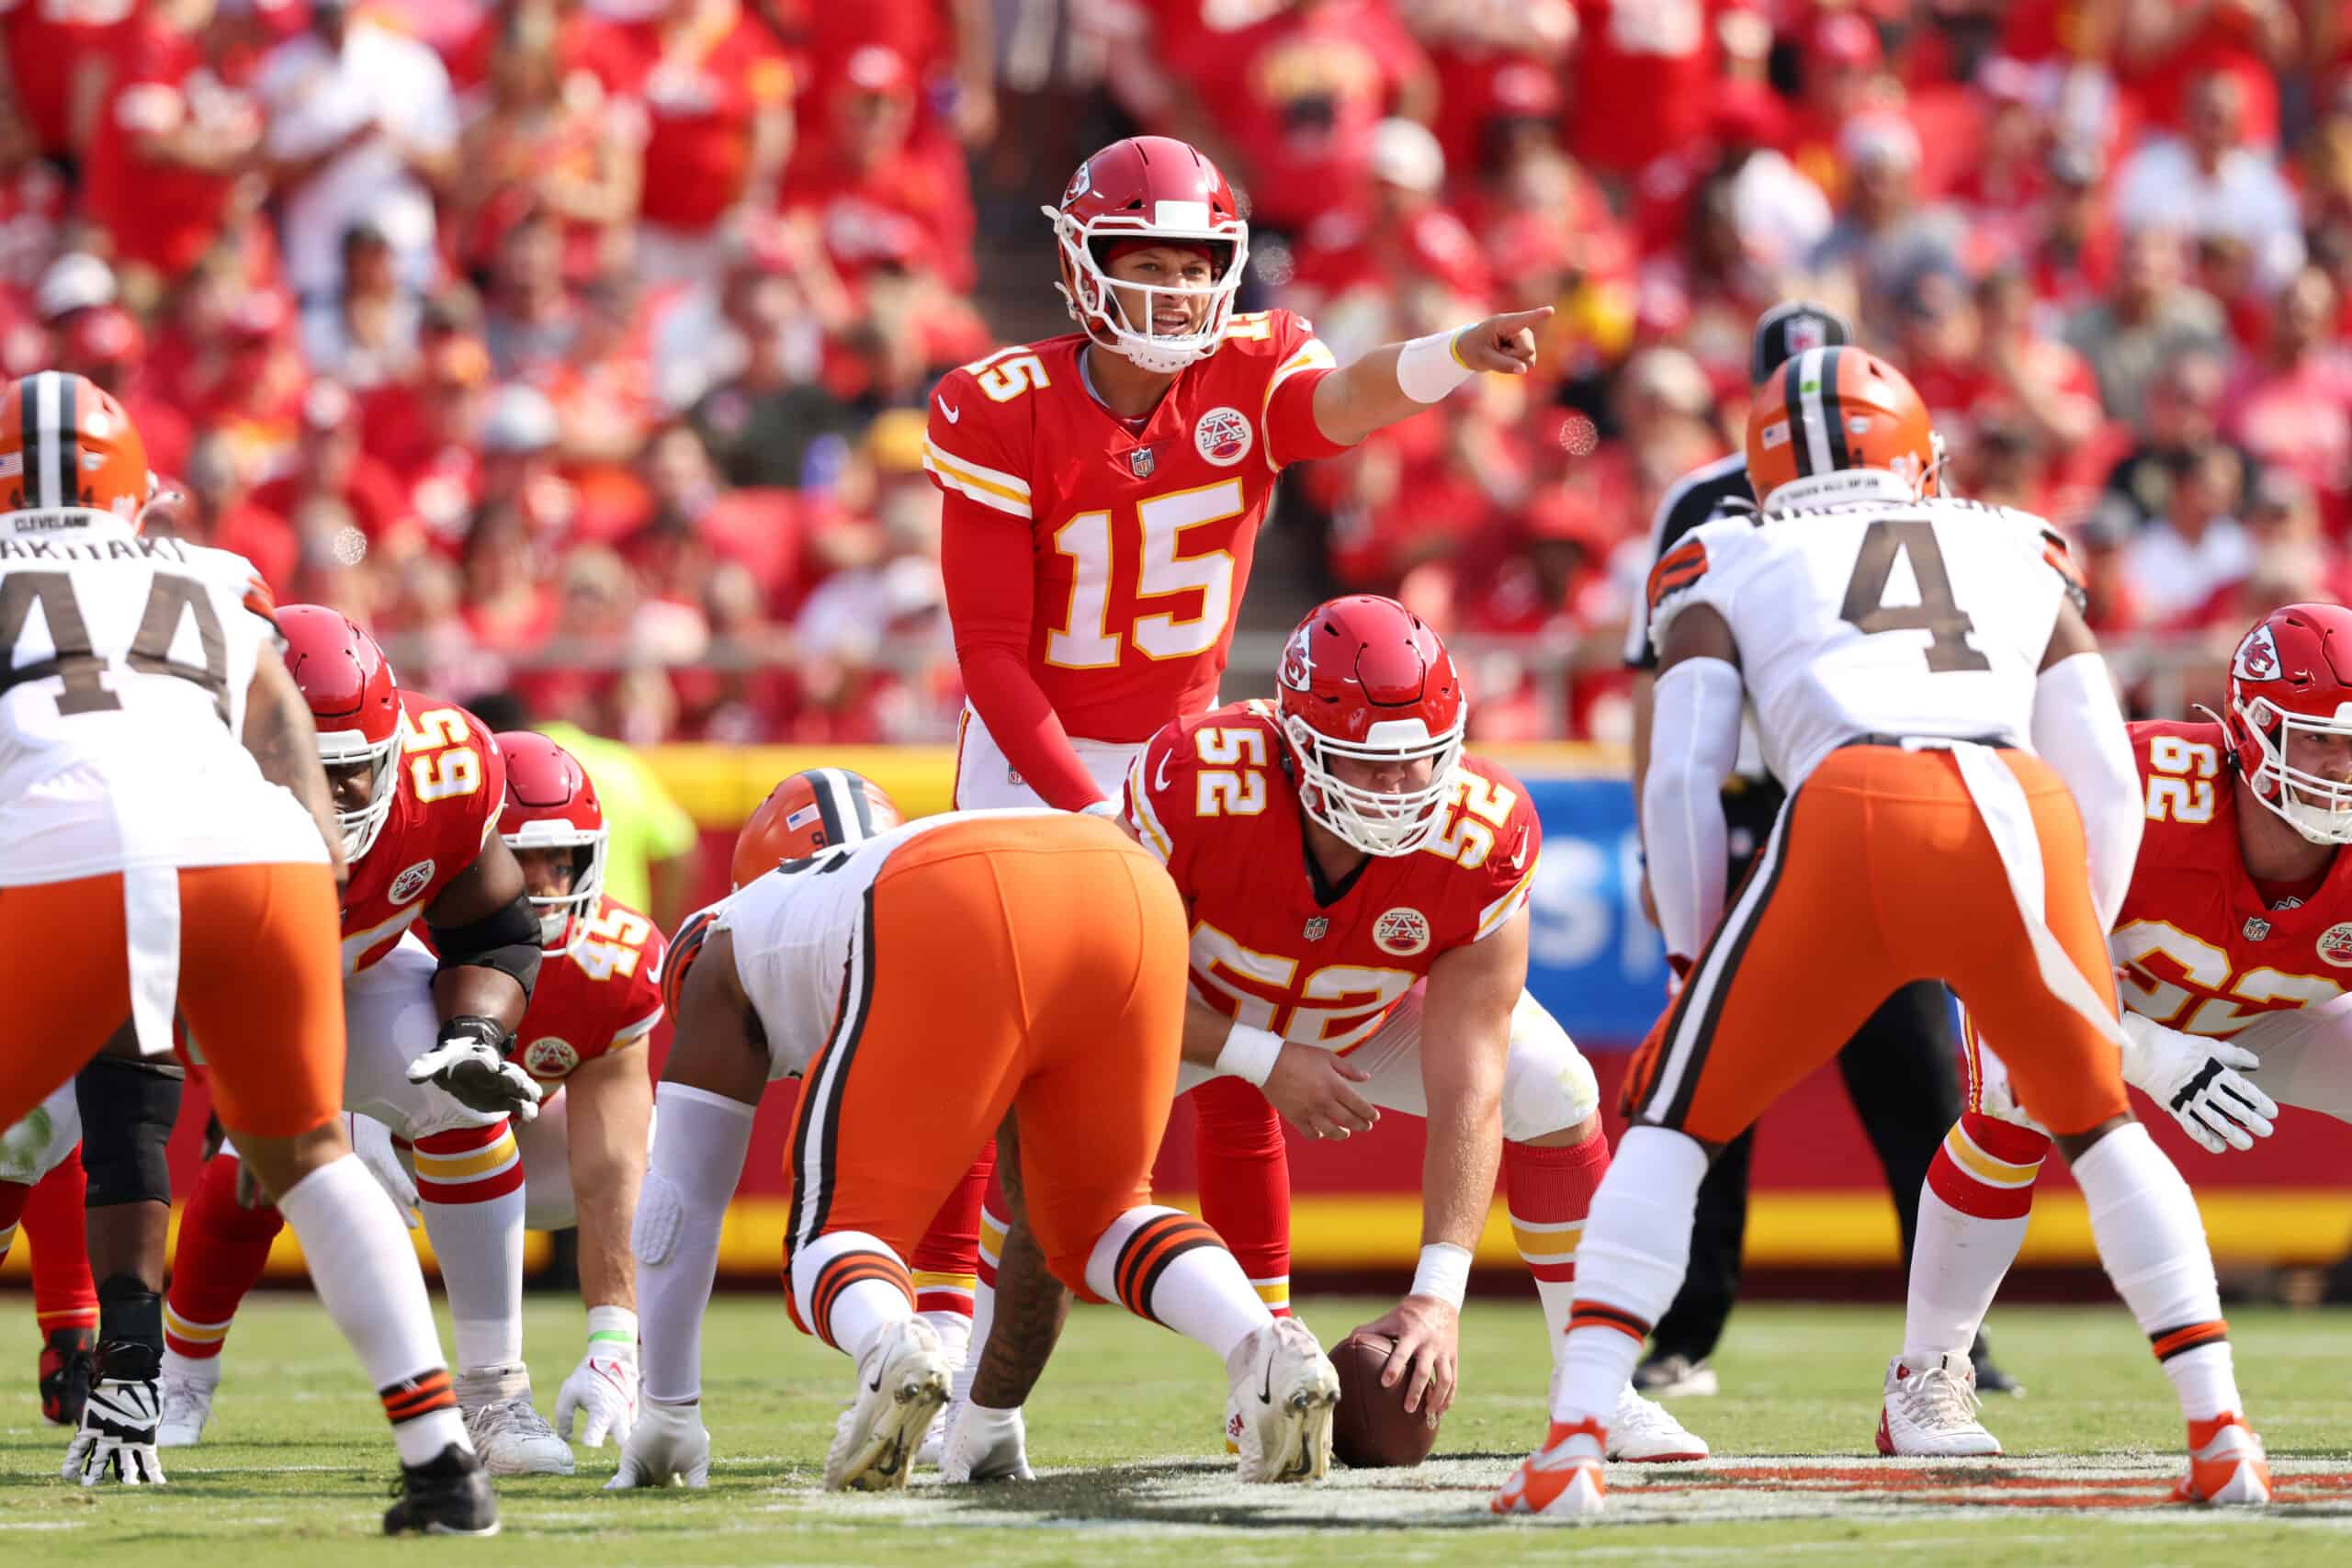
x=1319, y=966
x=1108, y=556
x=2198, y=945
x=451, y=782
x=1928, y=618
x=124, y=667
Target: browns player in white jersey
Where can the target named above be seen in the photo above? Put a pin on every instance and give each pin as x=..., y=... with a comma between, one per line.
x=205, y=887
x=417, y=785
x=1907, y=657
x=1357, y=888
x=2230, y=947
x=1102, y=493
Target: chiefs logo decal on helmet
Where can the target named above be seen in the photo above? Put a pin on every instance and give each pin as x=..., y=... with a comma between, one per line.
x=1366, y=682
x=1149, y=190
x=2290, y=717
x=66, y=445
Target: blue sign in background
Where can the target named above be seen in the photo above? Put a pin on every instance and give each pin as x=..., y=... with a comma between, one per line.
x=1593, y=962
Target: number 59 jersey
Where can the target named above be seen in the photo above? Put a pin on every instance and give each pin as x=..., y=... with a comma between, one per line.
x=1212, y=798
x=124, y=666
x=1877, y=617
x=450, y=781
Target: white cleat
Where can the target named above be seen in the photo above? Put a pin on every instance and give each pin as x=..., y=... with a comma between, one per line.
x=984, y=1445
x=1641, y=1432
x=902, y=1381
x=2227, y=1468
x=954, y=1330
x=1930, y=1411
x=186, y=1406
x=1561, y=1480
x=1279, y=1416
x=513, y=1438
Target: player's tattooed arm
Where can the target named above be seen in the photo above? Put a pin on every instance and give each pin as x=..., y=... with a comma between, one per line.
x=285, y=746
x=1030, y=1305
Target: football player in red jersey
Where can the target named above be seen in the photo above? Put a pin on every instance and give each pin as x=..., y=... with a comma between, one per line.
x=417, y=785
x=1358, y=892
x=1104, y=492
x=2230, y=949
x=583, y=1041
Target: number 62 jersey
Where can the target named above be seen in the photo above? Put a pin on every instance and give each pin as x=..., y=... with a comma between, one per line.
x=1842, y=615
x=1317, y=965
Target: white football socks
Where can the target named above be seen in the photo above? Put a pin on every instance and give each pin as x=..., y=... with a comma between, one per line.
x=1636, y=1247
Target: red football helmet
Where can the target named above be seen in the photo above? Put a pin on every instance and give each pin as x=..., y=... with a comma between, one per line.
x=2292, y=677
x=73, y=447
x=808, y=812
x=551, y=804
x=1364, y=679
x=356, y=703
x=1153, y=189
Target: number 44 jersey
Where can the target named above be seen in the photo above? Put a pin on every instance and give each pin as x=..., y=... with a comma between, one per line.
x=1927, y=618
x=1319, y=966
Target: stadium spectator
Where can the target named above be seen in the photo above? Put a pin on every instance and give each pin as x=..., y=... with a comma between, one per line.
x=530, y=314
x=329, y=466
x=1884, y=236
x=365, y=333
x=2183, y=415
x=2196, y=543
x=2209, y=181
x=879, y=201
x=2291, y=408
x=2149, y=316
x=109, y=346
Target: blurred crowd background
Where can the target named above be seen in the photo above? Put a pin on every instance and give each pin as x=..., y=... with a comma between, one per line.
x=579, y=347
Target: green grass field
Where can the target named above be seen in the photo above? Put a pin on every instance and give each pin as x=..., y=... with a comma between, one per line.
x=297, y=1462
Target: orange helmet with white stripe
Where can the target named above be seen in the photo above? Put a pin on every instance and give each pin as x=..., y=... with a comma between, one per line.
x=1832, y=415
x=65, y=442
x=814, y=809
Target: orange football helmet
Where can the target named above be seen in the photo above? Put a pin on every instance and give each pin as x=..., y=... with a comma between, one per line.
x=64, y=442
x=808, y=812
x=1832, y=410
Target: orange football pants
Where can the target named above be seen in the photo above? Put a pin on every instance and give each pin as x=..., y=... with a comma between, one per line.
x=1881, y=871
x=1034, y=964
x=260, y=973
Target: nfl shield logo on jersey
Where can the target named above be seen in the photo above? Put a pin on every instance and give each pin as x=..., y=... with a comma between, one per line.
x=1404, y=932
x=1315, y=927
x=2256, y=928
x=411, y=882
x=2335, y=944
x=1142, y=461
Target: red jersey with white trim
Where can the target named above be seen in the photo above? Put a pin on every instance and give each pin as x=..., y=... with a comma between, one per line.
x=450, y=782
x=1110, y=558
x=600, y=993
x=2198, y=946
x=1214, y=798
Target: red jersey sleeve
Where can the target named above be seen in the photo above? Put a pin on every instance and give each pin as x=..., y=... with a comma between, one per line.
x=1159, y=801
x=1497, y=839
x=1298, y=361
x=987, y=545
x=638, y=1007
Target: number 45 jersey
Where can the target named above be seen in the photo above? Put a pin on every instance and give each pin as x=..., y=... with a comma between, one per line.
x=2198, y=946
x=1319, y=966
x=598, y=995
x=1111, y=554
x=1877, y=617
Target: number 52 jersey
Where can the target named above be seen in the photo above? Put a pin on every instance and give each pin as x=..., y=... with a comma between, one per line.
x=1876, y=617
x=1316, y=966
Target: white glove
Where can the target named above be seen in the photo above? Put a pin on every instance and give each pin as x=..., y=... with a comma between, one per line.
x=118, y=1435
x=667, y=1447
x=984, y=1445
x=467, y=1064
x=2196, y=1079
x=372, y=1142
x=603, y=1388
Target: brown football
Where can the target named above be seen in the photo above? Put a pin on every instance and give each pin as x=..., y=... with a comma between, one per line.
x=1371, y=1429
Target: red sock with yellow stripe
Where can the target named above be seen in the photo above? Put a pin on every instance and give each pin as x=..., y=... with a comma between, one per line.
x=1549, y=1191
x=469, y=1187
x=1243, y=1167
x=64, y=1296
x=1971, y=1221
x=1163, y=1265
x=222, y=1249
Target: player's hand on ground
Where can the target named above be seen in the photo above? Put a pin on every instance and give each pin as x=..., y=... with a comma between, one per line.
x=1427, y=1358
x=666, y=1447
x=1315, y=1088
x=601, y=1391
x=1505, y=343
x=2200, y=1081
x=372, y=1142
x=116, y=1440
x=474, y=1073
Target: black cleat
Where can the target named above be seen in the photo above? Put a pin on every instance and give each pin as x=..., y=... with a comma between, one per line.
x=1673, y=1376
x=447, y=1494
x=68, y=1358
x=1990, y=1379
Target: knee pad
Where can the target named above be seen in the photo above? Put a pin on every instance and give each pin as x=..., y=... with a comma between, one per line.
x=1548, y=1087
x=128, y=1112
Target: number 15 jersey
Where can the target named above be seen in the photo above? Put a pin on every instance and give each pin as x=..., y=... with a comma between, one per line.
x=1109, y=557
x=1926, y=618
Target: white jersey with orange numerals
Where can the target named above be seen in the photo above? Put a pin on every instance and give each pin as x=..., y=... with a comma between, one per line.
x=124, y=667
x=1840, y=612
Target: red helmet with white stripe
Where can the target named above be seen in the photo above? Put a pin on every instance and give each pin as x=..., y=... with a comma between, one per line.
x=551, y=804
x=1149, y=190
x=354, y=704
x=810, y=811
x=1367, y=684
x=2290, y=717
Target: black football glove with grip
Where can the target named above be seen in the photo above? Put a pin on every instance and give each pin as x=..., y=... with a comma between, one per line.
x=116, y=1440
x=468, y=1062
